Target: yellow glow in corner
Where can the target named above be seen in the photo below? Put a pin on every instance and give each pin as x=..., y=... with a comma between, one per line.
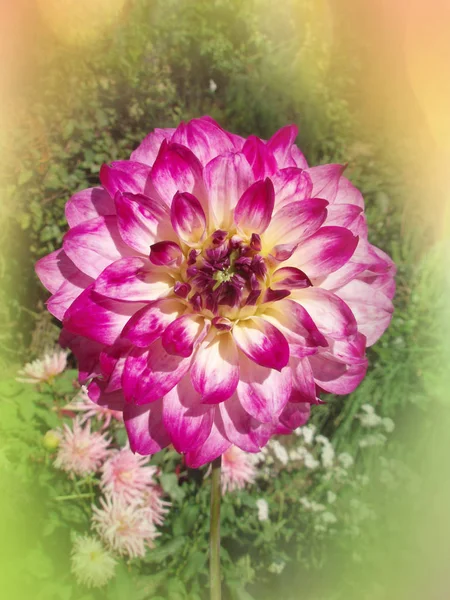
x=80, y=22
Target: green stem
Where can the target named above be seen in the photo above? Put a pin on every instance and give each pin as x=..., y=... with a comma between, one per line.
x=74, y=496
x=214, y=532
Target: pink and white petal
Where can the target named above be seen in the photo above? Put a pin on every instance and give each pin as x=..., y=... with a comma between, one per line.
x=325, y=252
x=94, y=245
x=254, y=209
x=165, y=253
x=204, y=137
x=149, y=323
x=85, y=351
x=142, y=221
x=151, y=374
x=214, y=446
x=54, y=269
x=148, y=149
x=177, y=169
x=262, y=342
x=344, y=215
x=89, y=204
x=263, y=392
x=347, y=193
x=215, y=368
x=97, y=318
x=281, y=143
x=68, y=292
x=298, y=157
x=295, y=222
x=183, y=334
x=134, y=279
x=303, y=384
x=188, y=218
x=238, y=425
x=226, y=179
x=336, y=377
x=259, y=157
x=291, y=185
x=372, y=309
x=126, y=176
x=145, y=428
x=187, y=421
x=299, y=329
x=330, y=313
x=292, y=417
x=325, y=179
x=289, y=278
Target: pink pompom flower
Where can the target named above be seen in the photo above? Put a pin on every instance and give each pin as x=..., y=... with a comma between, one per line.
x=126, y=475
x=213, y=286
x=90, y=410
x=238, y=470
x=81, y=451
x=126, y=528
x=44, y=370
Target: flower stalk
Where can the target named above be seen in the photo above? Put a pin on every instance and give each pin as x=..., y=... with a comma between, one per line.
x=214, y=532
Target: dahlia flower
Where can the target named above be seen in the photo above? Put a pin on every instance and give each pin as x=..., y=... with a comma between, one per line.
x=124, y=474
x=238, y=470
x=44, y=370
x=90, y=410
x=213, y=286
x=126, y=528
x=92, y=565
x=80, y=450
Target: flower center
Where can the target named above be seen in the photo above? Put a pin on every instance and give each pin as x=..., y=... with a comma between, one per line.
x=227, y=272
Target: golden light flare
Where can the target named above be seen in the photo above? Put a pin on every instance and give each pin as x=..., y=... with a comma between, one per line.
x=80, y=22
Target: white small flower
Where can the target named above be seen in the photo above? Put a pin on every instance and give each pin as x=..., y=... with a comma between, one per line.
x=328, y=517
x=280, y=452
x=388, y=425
x=277, y=567
x=346, y=460
x=298, y=453
x=375, y=439
x=92, y=565
x=331, y=497
x=308, y=433
x=263, y=509
x=310, y=462
x=327, y=456
x=212, y=86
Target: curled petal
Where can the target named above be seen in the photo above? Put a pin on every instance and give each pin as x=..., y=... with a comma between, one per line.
x=126, y=176
x=281, y=143
x=176, y=169
x=336, y=377
x=98, y=318
x=348, y=194
x=303, y=384
x=133, y=279
x=187, y=421
x=165, y=253
x=295, y=222
x=214, y=446
x=263, y=392
x=263, y=343
x=145, y=428
x=54, y=269
x=141, y=221
x=89, y=204
x=149, y=323
x=238, y=425
x=259, y=157
x=291, y=185
x=215, y=369
x=183, y=334
x=292, y=417
x=204, y=137
x=148, y=149
x=254, y=209
x=325, y=252
x=188, y=218
x=68, y=292
x=330, y=313
x=290, y=278
x=325, y=179
x=226, y=179
x=150, y=374
x=94, y=245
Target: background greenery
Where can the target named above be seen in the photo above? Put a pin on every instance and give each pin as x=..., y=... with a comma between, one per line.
x=273, y=64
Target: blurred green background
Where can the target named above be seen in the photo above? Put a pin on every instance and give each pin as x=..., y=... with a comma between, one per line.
x=254, y=66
